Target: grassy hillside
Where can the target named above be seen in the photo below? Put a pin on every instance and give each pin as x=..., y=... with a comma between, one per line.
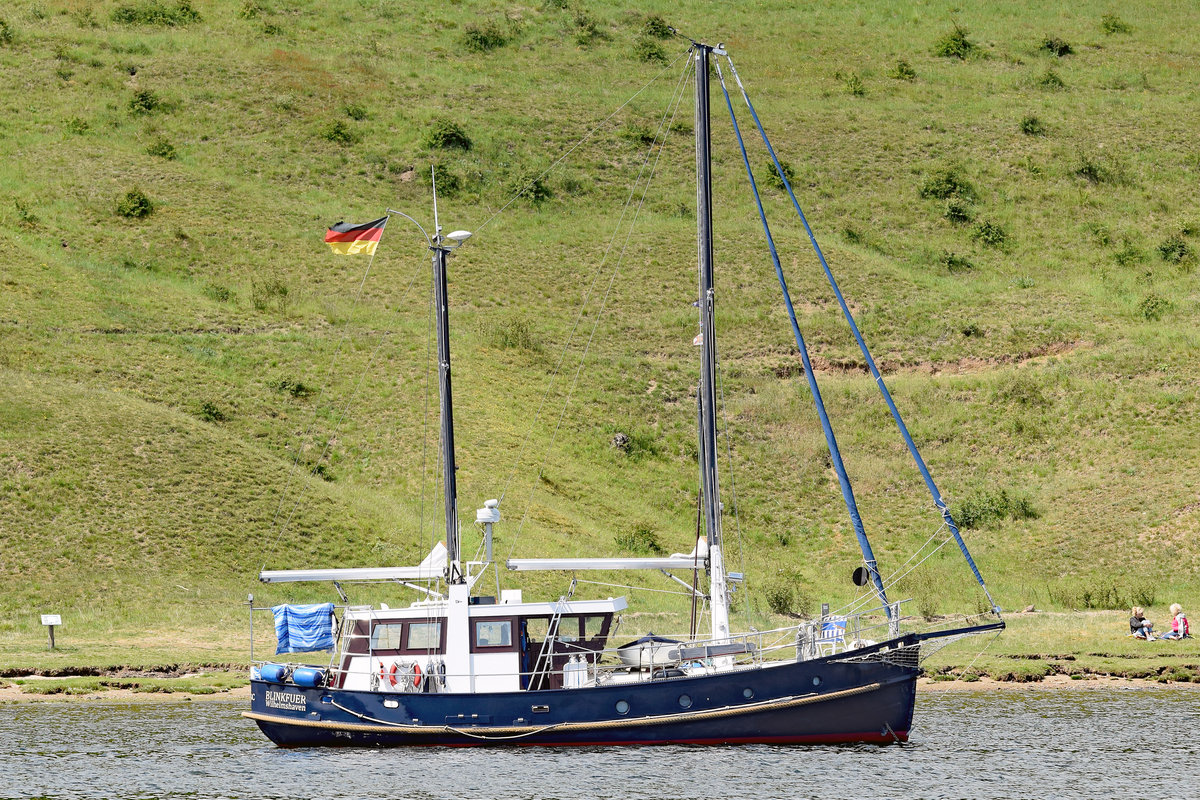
x=192, y=387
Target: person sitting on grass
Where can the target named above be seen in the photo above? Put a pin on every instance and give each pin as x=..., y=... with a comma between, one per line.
x=1139, y=626
x=1179, y=624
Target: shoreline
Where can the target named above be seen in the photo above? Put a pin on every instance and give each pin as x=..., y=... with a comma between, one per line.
x=12, y=694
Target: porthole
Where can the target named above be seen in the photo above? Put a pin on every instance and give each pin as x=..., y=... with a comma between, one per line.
x=816, y=680
x=748, y=693
x=685, y=701
x=622, y=707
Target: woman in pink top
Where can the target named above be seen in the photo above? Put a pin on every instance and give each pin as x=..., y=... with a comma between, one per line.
x=1179, y=624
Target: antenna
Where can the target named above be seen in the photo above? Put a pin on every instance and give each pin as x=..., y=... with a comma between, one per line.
x=437, y=229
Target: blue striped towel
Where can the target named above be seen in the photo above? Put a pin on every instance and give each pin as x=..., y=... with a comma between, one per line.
x=301, y=629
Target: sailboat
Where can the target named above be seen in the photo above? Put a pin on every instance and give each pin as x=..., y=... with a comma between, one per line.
x=459, y=668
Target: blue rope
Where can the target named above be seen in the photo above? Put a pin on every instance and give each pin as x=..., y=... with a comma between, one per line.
x=847, y=491
x=862, y=345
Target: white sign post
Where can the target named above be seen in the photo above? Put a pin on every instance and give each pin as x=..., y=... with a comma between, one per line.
x=50, y=620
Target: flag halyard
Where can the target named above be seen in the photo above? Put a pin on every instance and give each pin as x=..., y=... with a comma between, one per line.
x=346, y=239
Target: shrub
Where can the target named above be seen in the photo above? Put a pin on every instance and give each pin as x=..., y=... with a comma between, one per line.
x=25, y=218
x=985, y=506
x=1032, y=126
x=1092, y=170
x=642, y=539
x=1055, y=46
x=209, y=412
x=77, y=125
x=533, y=188
x=355, y=112
x=339, y=132
x=446, y=134
x=903, y=71
x=135, y=205
x=647, y=49
x=1174, y=249
x=155, y=13
x=587, y=28
x=6, y=32
x=448, y=182
x=162, y=148
x=959, y=211
x=656, y=27
x=249, y=10
x=955, y=263
x=955, y=44
x=775, y=179
x=854, y=83
x=1129, y=254
x=1152, y=307
x=294, y=388
x=989, y=233
x=947, y=183
x=1112, y=24
x=1051, y=80
x=144, y=101
x=483, y=38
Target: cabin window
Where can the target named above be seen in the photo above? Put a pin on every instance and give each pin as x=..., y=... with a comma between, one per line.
x=493, y=633
x=387, y=636
x=424, y=635
x=593, y=627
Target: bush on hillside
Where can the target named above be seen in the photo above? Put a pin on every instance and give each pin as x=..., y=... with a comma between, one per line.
x=986, y=506
x=355, y=111
x=483, y=38
x=1092, y=171
x=156, y=13
x=955, y=44
x=955, y=263
x=1129, y=254
x=339, y=132
x=134, y=204
x=947, y=183
x=144, y=101
x=1051, y=80
x=1152, y=307
x=446, y=134
x=448, y=182
x=989, y=233
x=959, y=211
x=903, y=71
x=533, y=187
x=6, y=32
x=853, y=82
x=646, y=49
x=656, y=27
x=1174, y=249
x=1111, y=24
x=1032, y=126
x=77, y=125
x=587, y=28
x=296, y=389
x=210, y=412
x=642, y=539
x=1055, y=46
x=162, y=148
x=775, y=179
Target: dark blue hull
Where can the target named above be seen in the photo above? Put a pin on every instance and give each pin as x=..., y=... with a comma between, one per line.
x=828, y=700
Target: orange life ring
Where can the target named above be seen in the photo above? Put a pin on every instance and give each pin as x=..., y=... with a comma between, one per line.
x=387, y=675
x=416, y=676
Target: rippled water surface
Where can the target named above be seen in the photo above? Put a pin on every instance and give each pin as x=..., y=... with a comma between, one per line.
x=1086, y=743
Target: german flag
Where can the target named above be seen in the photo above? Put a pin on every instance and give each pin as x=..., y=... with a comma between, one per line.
x=348, y=240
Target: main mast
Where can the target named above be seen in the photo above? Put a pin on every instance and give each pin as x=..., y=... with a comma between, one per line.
x=710, y=489
x=441, y=252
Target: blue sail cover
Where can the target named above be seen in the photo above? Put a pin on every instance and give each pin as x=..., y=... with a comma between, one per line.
x=301, y=629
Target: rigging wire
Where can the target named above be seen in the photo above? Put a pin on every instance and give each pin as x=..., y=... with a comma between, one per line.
x=660, y=141
x=315, y=408
x=576, y=146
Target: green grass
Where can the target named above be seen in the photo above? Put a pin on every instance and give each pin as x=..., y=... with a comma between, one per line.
x=146, y=444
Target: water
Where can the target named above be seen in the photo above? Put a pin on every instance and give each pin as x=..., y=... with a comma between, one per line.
x=1087, y=743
